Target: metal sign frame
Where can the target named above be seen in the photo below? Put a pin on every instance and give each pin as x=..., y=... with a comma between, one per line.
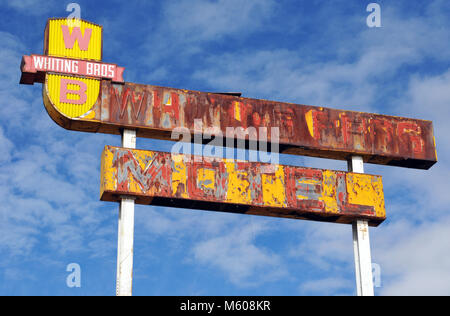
x=82, y=93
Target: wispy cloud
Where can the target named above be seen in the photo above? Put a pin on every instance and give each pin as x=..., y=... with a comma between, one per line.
x=212, y=20
x=238, y=256
x=414, y=259
x=30, y=7
x=45, y=172
x=320, y=54
x=327, y=286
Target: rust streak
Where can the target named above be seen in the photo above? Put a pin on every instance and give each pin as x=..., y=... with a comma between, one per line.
x=303, y=130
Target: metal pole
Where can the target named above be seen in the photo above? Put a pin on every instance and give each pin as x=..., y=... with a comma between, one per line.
x=125, y=232
x=361, y=243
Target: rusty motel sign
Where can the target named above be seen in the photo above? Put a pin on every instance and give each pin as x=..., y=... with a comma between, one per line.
x=82, y=93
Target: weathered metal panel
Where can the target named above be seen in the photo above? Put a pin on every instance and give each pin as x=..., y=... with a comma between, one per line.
x=304, y=130
x=86, y=102
x=160, y=178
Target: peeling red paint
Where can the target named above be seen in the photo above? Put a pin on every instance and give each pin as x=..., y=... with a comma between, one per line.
x=303, y=130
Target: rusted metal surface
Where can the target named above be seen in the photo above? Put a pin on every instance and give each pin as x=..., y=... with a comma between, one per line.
x=78, y=97
x=159, y=178
x=303, y=130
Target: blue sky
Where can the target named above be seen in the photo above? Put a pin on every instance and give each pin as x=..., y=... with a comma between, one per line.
x=308, y=52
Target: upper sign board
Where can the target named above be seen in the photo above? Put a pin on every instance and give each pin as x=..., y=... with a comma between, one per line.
x=81, y=93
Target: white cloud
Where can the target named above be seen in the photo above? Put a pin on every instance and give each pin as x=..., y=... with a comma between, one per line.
x=414, y=259
x=48, y=184
x=239, y=257
x=352, y=80
x=6, y=147
x=31, y=7
x=39, y=200
x=327, y=286
x=426, y=97
x=16, y=239
x=220, y=241
x=211, y=20
x=367, y=67
x=179, y=223
x=45, y=191
x=185, y=28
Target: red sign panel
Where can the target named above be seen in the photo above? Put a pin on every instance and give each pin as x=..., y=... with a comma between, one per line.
x=301, y=129
x=37, y=63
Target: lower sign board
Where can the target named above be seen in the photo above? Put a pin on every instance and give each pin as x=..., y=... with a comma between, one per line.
x=185, y=181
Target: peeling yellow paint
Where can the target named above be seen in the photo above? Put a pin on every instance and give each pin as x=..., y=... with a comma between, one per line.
x=107, y=173
x=329, y=192
x=237, y=110
x=238, y=185
x=274, y=192
x=435, y=148
x=309, y=122
x=206, y=178
x=89, y=115
x=168, y=102
x=366, y=190
x=143, y=158
x=179, y=176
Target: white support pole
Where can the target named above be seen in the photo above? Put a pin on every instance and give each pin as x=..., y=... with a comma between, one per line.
x=125, y=232
x=361, y=243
